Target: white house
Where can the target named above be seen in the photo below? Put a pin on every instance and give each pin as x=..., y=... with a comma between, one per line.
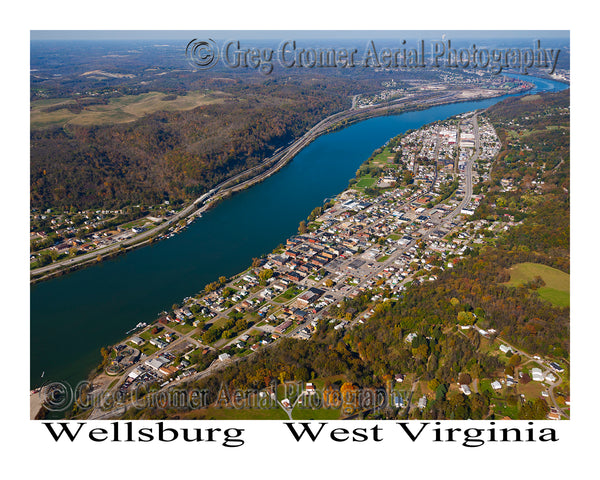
x=465, y=389
x=504, y=348
x=536, y=375
x=496, y=385
x=410, y=337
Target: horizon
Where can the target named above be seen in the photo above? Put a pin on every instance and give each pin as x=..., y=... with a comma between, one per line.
x=148, y=35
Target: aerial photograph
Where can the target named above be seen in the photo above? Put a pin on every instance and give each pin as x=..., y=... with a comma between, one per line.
x=299, y=225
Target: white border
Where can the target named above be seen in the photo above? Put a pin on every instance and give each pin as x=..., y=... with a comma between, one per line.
x=269, y=452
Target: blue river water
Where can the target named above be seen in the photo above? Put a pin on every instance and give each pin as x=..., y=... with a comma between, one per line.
x=73, y=316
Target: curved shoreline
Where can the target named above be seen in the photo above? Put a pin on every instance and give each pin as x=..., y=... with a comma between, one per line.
x=277, y=161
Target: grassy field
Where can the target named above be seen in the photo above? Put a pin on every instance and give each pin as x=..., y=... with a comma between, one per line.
x=366, y=181
x=557, y=289
x=384, y=158
x=186, y=328
x=288, y=295
x=244, y=414
x=315, y=414
x=127, y=108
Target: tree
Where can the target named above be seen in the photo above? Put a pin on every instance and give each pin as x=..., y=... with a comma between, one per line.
x=465, y=318
x=302, y=228
x=433, y=384
x=302, y=373
x=264, y=275
x=514, y=360
x=211, y=287
x=440, y=392
x=211, y=335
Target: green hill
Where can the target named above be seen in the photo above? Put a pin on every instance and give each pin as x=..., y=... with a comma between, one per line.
x=557, y=283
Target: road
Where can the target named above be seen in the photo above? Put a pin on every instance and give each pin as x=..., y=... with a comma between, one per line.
x=278, y=160
x=338, y=294
x=469, y=171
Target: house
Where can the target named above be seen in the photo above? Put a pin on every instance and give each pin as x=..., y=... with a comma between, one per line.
x=224, y=356
x=556, y=367
x=310, y=389
x=536, y=375
x=340, y=325
x=137, y=341
x=504, y=348
x=553, y=415
x=422, y=402
x=399, y=377
x=410, y=337
x=551, y=378
x=158, y=342
x=496, y=385
x=465, y=389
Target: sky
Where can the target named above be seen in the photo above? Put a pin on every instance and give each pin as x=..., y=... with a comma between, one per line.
x=265, y=34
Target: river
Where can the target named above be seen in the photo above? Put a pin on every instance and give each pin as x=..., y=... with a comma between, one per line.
x=73, y=316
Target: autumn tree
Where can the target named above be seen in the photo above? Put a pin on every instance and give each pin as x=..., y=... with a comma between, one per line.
x=264, y=275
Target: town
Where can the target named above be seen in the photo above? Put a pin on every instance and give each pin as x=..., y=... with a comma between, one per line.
x=404, y=218
x=64, y=239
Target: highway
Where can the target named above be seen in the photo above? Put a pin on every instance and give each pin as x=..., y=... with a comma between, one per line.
x=276, y=161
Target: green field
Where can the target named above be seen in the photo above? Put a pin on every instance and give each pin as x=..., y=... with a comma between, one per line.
x=557, y=289
x=315, y=414
x=245, y=414
x=366, y=181
x=384, y=158
x=288, y=294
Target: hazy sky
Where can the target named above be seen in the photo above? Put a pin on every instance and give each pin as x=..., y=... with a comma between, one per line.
x=267, y=34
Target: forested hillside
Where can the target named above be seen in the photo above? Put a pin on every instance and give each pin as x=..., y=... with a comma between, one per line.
x=173, y=155
x=535, y=155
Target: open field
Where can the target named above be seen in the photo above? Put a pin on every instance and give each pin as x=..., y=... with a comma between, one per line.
x=244, y=414
x=366, y=181
x=384, y=158
x=557, y=289
x=128, y=108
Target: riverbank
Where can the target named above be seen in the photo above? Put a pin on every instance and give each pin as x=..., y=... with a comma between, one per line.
x=255, y=175
x=79, y=313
